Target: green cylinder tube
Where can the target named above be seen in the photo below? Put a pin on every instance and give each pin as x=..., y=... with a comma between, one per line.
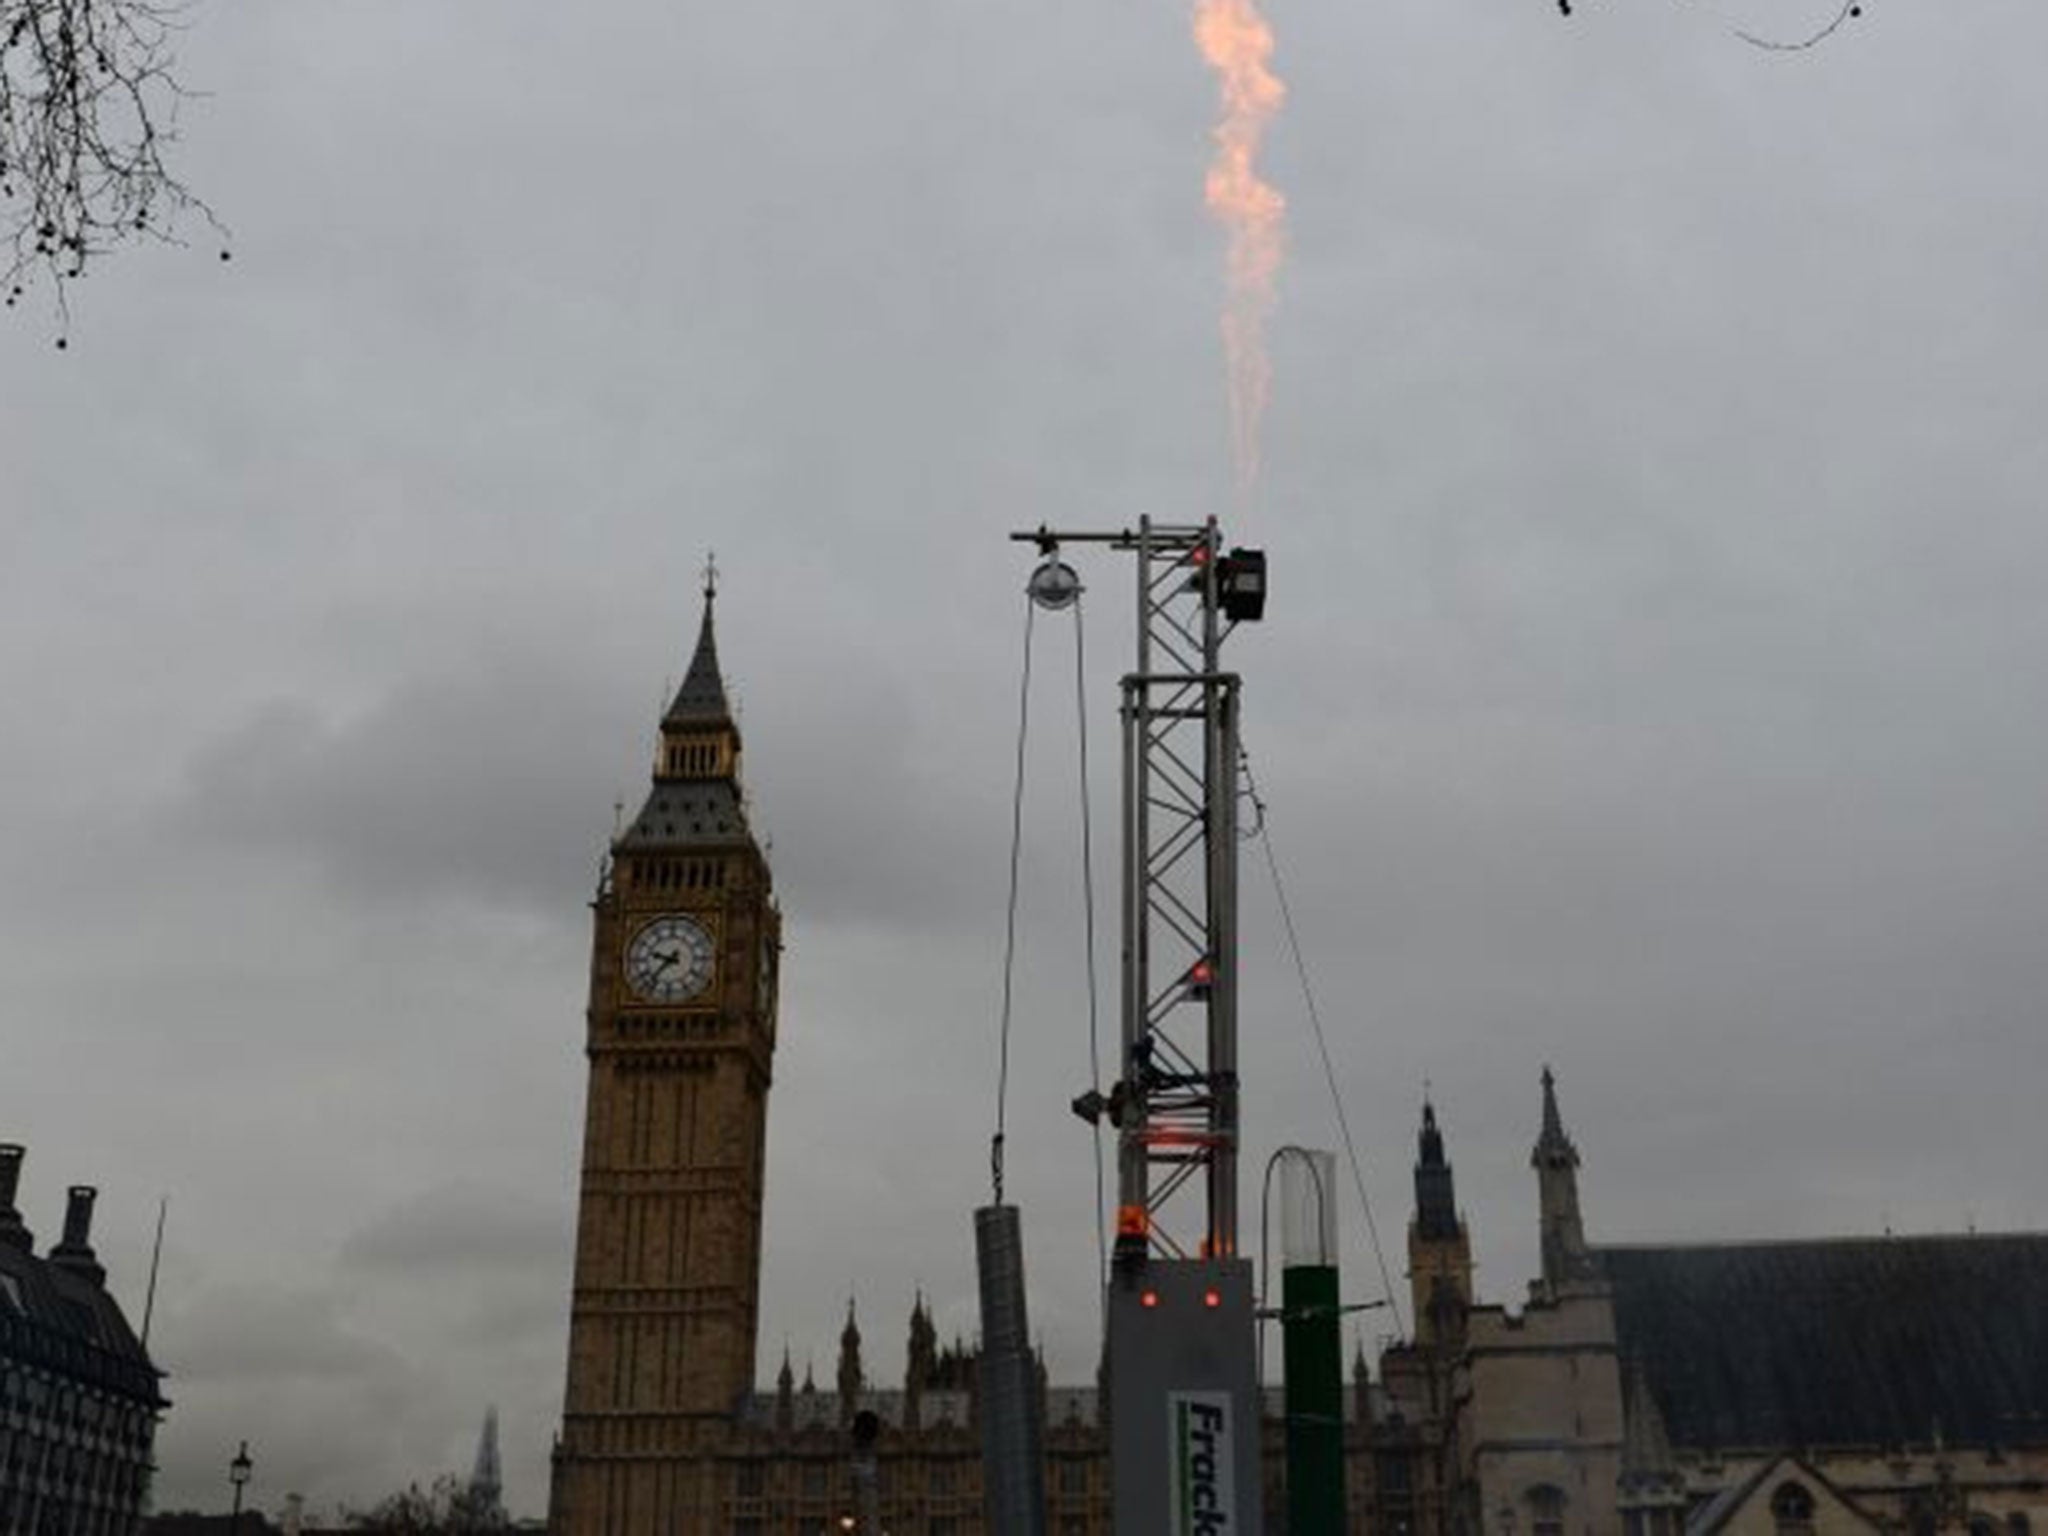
x=1315, y=1400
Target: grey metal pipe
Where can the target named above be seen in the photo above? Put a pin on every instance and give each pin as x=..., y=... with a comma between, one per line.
x=1012, y=1454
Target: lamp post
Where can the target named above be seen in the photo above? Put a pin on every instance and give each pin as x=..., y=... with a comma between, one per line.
x=238, y=1474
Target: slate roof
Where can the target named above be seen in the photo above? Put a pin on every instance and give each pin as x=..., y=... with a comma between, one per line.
x=689, y=811
x=1865, y=1341
x=693, y=811
x=54, y=1318
x=701, y=699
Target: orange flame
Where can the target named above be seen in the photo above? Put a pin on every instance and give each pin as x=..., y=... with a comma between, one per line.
x=1238, y=44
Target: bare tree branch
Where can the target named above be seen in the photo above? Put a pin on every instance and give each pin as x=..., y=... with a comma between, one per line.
x=1850, y=8
x=88, y=103
x=449, y=1508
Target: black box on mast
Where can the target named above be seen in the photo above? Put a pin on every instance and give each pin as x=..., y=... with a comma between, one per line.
x=1241, y=585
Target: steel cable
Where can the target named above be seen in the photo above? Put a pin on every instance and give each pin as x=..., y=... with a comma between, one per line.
x=995, y=1150
x=1088, y=920
x=1315, y=1018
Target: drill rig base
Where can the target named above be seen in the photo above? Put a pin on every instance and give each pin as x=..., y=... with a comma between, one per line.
x=1184, y=1405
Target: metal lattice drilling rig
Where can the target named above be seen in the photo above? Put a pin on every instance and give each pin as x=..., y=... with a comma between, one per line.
x=1184, y=1404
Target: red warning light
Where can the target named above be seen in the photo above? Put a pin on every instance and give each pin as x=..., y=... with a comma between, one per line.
x=1199, y=555
x=1212, y=1299
x=1148, y=1299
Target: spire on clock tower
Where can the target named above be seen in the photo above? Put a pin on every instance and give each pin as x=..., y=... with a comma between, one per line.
x=701, y=699
x=695, y=797
x=699, y=738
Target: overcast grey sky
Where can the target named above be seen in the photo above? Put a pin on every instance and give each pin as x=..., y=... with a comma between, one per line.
x=1652, y=683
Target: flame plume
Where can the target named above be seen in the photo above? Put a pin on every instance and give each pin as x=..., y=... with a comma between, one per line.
x=1238, y=44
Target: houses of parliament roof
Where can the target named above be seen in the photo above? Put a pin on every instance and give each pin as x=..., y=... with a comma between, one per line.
x=1883, y=1342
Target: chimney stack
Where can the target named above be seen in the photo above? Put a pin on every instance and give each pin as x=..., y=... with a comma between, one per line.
x=75, y=1252
x=12, y=1232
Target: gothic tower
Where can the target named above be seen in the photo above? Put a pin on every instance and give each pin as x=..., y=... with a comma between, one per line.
x=921, y=1363
x=681, y=1037
x=1439, y=1248
x=853, y=1380
x=1556, y=1161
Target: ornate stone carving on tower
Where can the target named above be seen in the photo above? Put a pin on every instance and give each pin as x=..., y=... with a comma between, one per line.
x=681, y=1037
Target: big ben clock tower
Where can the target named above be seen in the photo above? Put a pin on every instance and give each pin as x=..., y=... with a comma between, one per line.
x=681, y=1039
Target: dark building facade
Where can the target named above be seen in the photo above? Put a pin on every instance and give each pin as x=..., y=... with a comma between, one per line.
x=79, y=1398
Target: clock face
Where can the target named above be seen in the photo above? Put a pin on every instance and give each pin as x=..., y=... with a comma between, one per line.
x=669, y=960
x=764, y=975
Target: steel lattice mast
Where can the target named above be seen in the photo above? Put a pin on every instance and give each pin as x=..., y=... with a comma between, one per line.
x=1176, y=1103
x=1179, y=1123
x=1180, y=1308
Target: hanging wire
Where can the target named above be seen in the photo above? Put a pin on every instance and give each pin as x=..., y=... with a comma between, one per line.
x=1264, y=833
x=1088, y=921
x=995, y=1149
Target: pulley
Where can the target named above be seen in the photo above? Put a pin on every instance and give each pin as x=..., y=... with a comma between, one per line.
x=1055, y=586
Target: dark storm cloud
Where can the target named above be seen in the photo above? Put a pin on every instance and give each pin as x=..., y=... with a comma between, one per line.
x=258, y=1331
x=475, y=782
x=458, y=1227
x=329, y=1392
x=461, y=784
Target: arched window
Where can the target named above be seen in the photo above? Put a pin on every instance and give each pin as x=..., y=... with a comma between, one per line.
x=1792, y=1509
x=1546, y=1510
x=2017, y=1524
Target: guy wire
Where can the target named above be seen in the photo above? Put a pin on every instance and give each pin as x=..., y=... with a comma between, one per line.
x=1088, y=919
x=1264, y=834
x=995, y=1150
